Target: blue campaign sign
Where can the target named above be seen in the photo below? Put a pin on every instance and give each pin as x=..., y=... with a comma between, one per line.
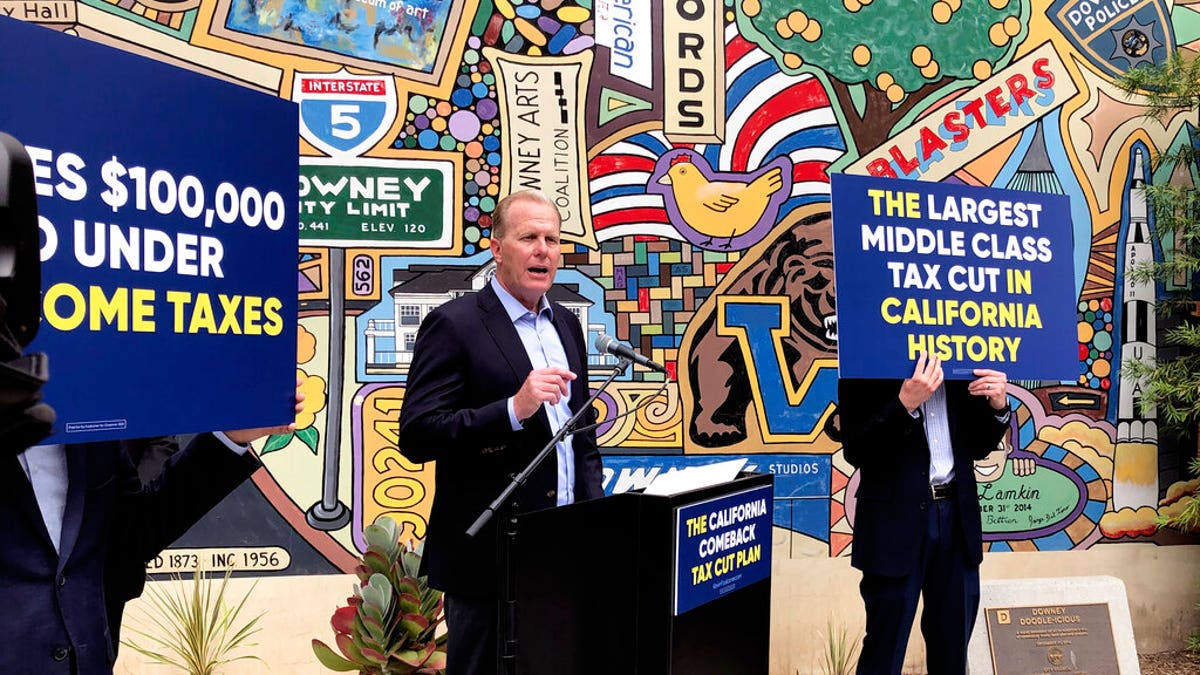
x=980, y=277
x=167, y=209
x=721, y=545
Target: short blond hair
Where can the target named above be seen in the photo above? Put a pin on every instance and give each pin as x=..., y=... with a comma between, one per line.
x=500, y=215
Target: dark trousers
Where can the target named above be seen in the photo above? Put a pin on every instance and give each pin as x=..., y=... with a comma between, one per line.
x=470, y=636
x=949, y=585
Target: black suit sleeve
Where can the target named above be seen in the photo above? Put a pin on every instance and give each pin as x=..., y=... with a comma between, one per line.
x=984, y=422
x=874, y=423
x=151, y=517
x=150, y=455
x=437, y=414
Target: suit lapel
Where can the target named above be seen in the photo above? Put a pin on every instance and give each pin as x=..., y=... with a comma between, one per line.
x=76, y=492
x=496, y=320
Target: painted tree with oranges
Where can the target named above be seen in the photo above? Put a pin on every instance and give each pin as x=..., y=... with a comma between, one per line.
x=883, y=60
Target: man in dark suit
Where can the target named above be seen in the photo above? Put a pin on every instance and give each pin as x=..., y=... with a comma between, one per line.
x=917, y=529
x=75, y=520
x=493, y=375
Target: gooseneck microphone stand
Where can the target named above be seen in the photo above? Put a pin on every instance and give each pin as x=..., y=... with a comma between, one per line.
x=507, y=629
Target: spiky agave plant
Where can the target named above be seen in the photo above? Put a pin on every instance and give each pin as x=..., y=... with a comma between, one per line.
x=390, y=624
x=192, y=628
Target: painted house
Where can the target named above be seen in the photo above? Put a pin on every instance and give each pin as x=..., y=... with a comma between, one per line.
x=418, y=289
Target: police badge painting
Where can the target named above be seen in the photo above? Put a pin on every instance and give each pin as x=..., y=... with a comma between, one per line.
x=1116, y=35
x=342, y=114
x=410, y=38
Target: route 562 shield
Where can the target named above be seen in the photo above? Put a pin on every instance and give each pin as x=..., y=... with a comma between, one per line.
x=343, y=114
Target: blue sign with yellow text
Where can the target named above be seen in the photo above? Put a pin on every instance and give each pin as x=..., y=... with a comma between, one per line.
x=721, y=545
x=167, y=204
x=979, y=277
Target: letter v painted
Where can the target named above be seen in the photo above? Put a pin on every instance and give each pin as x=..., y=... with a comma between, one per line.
x=786, y=412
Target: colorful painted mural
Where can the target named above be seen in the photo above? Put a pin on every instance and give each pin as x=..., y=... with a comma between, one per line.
x=688, y=145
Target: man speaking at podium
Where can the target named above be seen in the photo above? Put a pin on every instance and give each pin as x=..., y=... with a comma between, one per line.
x=494, y=374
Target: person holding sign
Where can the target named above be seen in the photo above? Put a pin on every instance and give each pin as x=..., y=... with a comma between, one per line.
x=917, y=531
x=494, y=374
x=77, y=527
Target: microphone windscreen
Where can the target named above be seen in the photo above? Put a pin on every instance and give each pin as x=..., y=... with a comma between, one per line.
x=603, y=342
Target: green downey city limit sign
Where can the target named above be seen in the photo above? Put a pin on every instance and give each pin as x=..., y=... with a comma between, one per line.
x=375, y=202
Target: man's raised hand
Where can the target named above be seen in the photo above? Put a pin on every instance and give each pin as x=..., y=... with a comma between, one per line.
x=544, y=385
x=925, y=380
x=991, y=384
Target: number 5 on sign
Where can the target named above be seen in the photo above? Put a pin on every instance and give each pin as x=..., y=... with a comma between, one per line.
x=343, y=123
x=342, y=114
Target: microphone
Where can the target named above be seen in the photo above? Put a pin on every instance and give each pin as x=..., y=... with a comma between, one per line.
x=606, y=343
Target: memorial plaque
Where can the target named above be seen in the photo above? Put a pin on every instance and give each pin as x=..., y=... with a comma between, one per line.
x=1074, y=639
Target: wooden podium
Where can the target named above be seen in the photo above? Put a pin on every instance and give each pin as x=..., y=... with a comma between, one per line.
x=636, y=584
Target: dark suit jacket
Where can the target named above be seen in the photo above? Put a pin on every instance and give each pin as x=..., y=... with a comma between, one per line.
x=889, y=448
x=468, y=360
x=54, y=602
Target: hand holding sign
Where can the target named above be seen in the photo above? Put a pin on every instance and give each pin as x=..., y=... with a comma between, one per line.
x=992, y=384
x=247, y=436
x=925, y=380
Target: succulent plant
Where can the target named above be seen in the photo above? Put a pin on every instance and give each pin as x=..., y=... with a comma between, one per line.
x=390, y=624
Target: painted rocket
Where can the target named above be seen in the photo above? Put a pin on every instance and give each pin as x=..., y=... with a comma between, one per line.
x=1138, y=339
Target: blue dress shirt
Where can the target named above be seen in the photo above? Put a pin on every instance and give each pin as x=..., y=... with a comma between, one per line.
x=545, y=349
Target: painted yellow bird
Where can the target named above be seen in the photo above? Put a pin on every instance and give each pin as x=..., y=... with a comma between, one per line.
x=719, y=209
